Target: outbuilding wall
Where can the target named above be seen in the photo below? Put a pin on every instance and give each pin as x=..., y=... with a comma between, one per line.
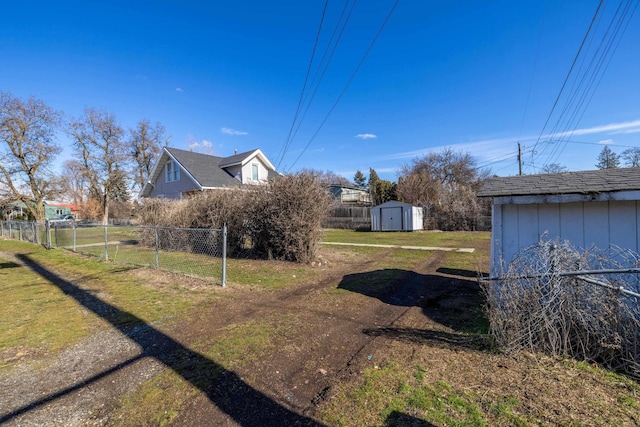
x=585, y=224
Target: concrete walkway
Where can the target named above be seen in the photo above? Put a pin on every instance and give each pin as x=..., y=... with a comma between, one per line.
x=417, y=248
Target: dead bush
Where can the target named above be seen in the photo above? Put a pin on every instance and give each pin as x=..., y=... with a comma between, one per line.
x=214, y=209
x=286, y=217
x=561, y=301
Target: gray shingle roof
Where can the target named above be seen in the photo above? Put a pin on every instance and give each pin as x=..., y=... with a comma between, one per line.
x=236, y=158
x=597, y=181
x=204, y=168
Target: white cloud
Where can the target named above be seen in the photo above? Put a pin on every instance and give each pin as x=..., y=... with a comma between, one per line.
x=606, y=141
x=623, y=127
x=204, y=146
x=366, y=136
x=179, y=89
x=506, y=147
x=233, y=132
x=482, y=149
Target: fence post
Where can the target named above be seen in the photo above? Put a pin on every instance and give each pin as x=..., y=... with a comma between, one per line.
x=224, y=255
x=20, y=232
x=74, y=235
x=157, y=246
x=47, y=231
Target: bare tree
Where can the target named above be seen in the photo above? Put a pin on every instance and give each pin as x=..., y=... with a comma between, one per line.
x=553, y=168
x=445, y=183
x=73, y=182
x=631, y=157
x=145, y=143
x=101, y=150
x=327, y=177
x=27, y=134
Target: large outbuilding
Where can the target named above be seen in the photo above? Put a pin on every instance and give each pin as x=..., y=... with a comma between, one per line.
x=396, y=216
x=591, y=208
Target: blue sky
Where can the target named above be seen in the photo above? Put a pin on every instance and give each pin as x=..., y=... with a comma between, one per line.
x=476, y=76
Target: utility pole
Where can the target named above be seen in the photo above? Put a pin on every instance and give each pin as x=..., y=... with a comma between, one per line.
x=519, y=160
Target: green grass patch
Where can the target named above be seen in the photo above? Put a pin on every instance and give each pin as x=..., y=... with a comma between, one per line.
x=269, y=274
x=390, y=393
x=36, y=316
x=504, y=410
x=417, y=238
x=156, y=402
x=242, y=342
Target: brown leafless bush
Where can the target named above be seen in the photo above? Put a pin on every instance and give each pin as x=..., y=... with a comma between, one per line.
x=281, y=220
x=286, y=217
x=539, y=305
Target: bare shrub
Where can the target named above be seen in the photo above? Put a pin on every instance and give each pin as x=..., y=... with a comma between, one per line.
x=286, y=217
x=214, y=209
x=551, y=300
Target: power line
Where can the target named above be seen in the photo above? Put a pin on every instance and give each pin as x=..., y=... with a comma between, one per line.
x=599, y=64
x=586, y=80
x=295, y=117
x=348, y=82
x=324, y=71
x=568, y=75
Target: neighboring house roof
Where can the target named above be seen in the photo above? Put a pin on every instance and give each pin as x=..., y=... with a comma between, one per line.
x=585, y=182
x=71, y=206
x=205, y=170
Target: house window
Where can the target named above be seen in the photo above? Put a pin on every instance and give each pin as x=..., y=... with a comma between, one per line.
x=254, y=172
x=173, y=172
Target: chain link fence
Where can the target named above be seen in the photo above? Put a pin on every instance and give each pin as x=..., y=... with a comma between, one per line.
x=190, y=251
x=26, y=231
x=559, y=300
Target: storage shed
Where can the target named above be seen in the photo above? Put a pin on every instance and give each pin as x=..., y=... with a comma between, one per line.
x=590, y=208
x=396, y=216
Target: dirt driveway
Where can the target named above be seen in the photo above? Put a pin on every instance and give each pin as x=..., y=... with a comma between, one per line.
x=333, y=329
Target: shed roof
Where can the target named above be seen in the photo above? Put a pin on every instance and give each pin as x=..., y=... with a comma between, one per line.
x=394, y=203
x=596, y=181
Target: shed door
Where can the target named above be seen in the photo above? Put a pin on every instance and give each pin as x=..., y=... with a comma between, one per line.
x=391, y=218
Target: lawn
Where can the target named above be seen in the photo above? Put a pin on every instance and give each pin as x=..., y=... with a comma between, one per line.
x=415, y=238
x=285, y=328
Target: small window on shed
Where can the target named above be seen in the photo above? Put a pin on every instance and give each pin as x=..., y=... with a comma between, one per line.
x=254, y=172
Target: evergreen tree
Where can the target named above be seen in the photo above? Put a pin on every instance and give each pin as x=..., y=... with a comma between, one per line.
x=607, y=159
x=120, y=189
x=359, y=180
x=381, y=190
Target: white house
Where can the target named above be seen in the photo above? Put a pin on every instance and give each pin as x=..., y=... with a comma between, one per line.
x=590, y=208
x=178, y=173
x=396, y=216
